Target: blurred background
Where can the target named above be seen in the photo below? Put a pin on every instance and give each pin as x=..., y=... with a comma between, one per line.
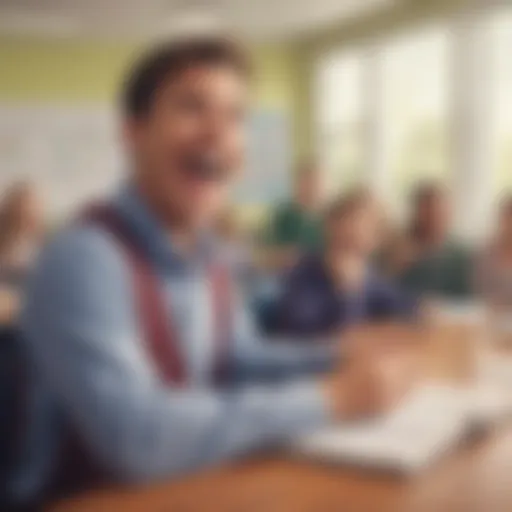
x=385, y=92
x=379, y=94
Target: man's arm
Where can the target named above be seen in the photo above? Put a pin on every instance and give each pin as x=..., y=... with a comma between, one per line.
x=78, y=323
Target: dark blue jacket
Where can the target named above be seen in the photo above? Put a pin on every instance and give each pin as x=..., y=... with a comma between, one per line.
x=311, y=305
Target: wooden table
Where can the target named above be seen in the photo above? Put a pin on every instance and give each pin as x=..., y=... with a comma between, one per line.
x=475, y=478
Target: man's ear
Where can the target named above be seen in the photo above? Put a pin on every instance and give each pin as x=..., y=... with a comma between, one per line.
x=130, y=132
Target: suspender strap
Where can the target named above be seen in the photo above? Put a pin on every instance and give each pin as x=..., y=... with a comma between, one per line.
x=159, y=333
x=156, y=323
x=77, y=469
x=223, y=321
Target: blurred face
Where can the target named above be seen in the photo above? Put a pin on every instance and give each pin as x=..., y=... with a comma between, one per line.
x=505, y=227
x=356, y=232
x=308, y=189
x=190, y=145
x=434, y=216
x=29, y=212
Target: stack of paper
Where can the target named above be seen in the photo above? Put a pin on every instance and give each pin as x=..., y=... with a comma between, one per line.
x=430, y=422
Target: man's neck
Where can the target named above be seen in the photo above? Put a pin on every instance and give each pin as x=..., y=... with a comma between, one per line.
x=183, y=232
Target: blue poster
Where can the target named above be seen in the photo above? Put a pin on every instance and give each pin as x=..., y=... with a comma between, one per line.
x=266, y=176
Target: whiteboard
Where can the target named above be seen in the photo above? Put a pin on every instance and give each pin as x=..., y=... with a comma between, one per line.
x=267, y=173
x=73, y=153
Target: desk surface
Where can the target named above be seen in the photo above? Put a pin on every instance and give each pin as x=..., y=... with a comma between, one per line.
x=475, y=478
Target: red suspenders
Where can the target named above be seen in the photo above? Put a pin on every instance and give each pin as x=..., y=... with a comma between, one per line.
x=77, y=469
x=156, y=324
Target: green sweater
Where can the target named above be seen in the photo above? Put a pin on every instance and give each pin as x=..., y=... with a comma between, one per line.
x=447, y=272
x=291, y=226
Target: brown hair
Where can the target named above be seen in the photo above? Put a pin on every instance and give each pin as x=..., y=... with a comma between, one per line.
x=423, y=192
x=306, y=166
x=168, y=60
x=506, y=205
x=347, y=203
x=9, y=221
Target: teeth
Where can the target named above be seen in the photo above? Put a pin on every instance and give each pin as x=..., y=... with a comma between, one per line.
x=203, y=164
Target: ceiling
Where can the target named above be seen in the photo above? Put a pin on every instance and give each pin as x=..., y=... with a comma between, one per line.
x=259, y=20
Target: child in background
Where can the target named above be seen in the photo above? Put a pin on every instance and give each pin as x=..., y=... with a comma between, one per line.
x=21, y=234
x=236, y=247
x=337, y=287
x=295, y=225
x=436, y=263
x=494, y=269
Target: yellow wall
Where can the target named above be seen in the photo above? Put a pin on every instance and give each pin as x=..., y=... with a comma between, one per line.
x=35, y=69
x=81, y=71
x=84, y=70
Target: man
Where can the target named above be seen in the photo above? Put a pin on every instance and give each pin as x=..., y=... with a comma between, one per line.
x=143, y=411
x=337, y=288
x=295, y=226
x=435, y=263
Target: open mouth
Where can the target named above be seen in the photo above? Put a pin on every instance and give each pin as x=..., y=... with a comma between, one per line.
x=206, y=166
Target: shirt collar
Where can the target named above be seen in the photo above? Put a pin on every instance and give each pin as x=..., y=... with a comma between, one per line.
x=155, y=239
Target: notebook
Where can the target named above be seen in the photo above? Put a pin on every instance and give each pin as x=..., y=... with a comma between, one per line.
x=428, y=424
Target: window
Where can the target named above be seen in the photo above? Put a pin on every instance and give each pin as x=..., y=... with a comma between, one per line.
x=409, y=98
x=416, y=123
x=339, y=119
x=434, y=104
x=500, y=27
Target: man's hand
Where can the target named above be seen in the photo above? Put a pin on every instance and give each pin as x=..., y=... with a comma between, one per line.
x=371, y=382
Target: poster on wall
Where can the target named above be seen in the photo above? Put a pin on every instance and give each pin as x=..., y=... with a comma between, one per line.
x=72, y=153
x=266, y=176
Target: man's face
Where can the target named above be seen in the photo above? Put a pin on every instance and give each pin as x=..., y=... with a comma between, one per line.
x=191, y=144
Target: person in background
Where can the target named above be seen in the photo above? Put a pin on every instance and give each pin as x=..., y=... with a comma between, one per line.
x=294, y=229
x=295, y=226
x=338, y=287
x=235, y=245
x=21, y=231
x=494, y=267
x=430, y=260
x=131, y=314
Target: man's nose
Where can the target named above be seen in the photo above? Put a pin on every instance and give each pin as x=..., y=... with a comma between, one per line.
x=214, y=129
